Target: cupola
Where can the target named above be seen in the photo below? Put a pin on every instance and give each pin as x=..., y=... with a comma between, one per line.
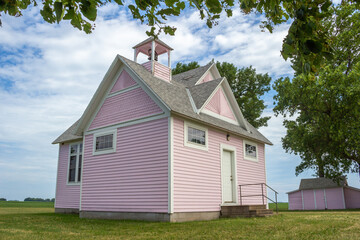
x=153, y=48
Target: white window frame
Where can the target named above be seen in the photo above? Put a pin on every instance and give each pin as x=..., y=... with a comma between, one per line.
x=192, y=144
x=76, y=182
x=99, y=134
x=250, y=158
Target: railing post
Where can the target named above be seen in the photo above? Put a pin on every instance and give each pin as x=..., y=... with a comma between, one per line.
x=276, y=202
x=262, y=192
x=240, y=195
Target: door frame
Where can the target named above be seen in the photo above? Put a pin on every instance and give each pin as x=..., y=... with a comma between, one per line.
x=232, y=149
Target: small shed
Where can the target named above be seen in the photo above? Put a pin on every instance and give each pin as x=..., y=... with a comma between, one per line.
x=322, y=194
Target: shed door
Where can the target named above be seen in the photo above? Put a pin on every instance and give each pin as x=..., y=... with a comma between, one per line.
x=227, y=177
x=320, y=199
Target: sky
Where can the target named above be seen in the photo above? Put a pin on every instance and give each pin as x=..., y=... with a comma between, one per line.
x=49, y=72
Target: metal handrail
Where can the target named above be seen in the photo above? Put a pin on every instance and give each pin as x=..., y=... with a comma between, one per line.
x=260, y=195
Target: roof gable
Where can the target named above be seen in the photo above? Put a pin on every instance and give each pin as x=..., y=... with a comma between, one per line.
x=106, y=85
x=220, y=105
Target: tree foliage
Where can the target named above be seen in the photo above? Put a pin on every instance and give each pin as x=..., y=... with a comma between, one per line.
x=30, y=199
x=183, y=67
x=307, y=39
x=326, y=131
x=248, y=88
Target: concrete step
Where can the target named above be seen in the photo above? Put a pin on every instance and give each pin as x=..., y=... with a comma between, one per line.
x=245, y=211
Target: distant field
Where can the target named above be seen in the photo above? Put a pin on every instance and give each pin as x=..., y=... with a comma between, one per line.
x=15, y=204
x=33, y=220
x=281, y=206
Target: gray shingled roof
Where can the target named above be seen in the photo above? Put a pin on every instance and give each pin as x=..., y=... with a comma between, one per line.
x=313, y=183
x=151, y=39
x=174, y=95
x=201, y=92
x=189, y=78
x=68, y=135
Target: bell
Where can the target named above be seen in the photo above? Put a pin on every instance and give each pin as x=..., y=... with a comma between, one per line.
x=149, y=54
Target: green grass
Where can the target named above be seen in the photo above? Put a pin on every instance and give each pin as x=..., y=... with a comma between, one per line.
x=27, y=221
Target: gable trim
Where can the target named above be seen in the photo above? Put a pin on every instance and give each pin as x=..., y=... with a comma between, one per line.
x=127, y=123
x=206, y=72
x=123, y=91
x=208, y=112
x=192, y=101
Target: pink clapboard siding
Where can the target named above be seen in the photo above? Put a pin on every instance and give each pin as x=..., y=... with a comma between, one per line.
x=124, y=81
x=295, y=201
x=207, y=78
x=135, y=177
x=197, y=173
x=123, y=107
x=218, y=104
x=161, y=71
x=352, y=198
x=67, y=196
x=334, y=198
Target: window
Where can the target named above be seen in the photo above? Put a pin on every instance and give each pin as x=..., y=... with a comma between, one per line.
x=195, y=136
x=75, y=161
x=104, y=142
x=250, y=151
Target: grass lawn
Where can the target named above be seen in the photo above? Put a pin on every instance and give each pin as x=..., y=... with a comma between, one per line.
x=38, y=221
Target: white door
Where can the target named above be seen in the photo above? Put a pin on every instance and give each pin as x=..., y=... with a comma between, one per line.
x=227, y=177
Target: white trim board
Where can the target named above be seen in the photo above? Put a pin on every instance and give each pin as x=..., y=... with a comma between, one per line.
x=195, y=145
x=171, y=165
x=104, y=133
x=76, y=182
x=128, y=123
x=232, y=149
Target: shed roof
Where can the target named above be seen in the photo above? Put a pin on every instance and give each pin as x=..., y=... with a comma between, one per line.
x=320, y=183
x=312, y=183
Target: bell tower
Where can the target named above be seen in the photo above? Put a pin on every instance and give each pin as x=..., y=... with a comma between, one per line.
x=153, y=48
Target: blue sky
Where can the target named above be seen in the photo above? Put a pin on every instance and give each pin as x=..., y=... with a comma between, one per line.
x=48, y=74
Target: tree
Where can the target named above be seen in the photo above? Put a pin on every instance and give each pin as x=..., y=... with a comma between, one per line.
x=183, y=67
x=306, y=39
x=247, y=86
x=326, y=131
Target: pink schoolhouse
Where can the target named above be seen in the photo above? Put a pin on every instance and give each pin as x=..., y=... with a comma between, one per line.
x=156, y=146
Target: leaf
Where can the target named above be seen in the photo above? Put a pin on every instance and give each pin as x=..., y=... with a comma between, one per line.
x=214, y=6
x=313, y=46
x=69, y=15
x=47, y=14
x=75, y=21
x=119, y=2
x=88, y=9
x=58, y=6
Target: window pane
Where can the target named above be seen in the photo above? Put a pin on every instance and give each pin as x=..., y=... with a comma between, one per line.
x=73, y=149
x=104, y=142
x=72, y=169
x=196, y=136
x=79, y=169
x=250, y=150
